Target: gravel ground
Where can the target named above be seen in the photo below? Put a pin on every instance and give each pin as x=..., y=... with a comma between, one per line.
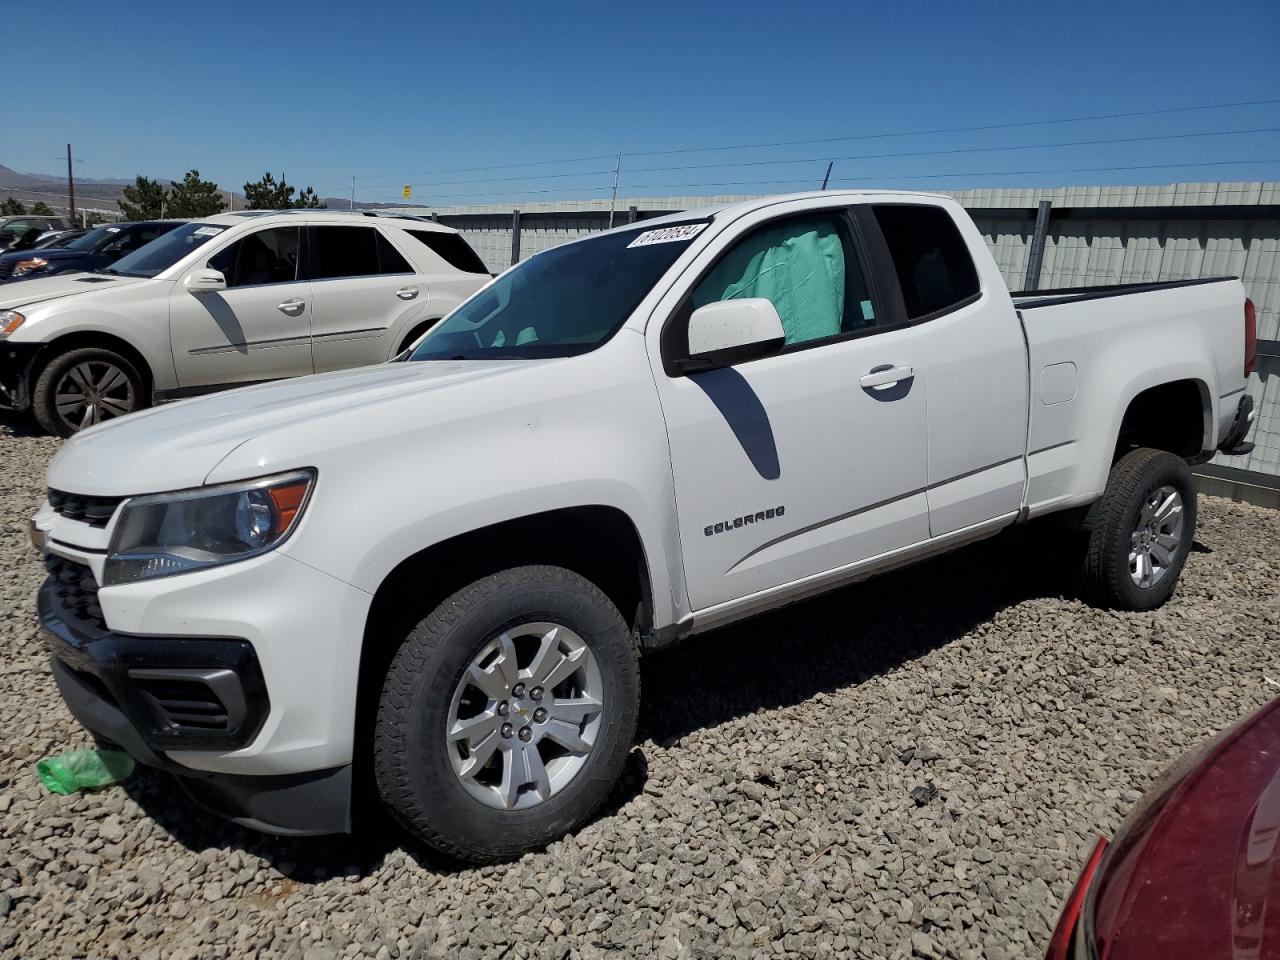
x=915, y=766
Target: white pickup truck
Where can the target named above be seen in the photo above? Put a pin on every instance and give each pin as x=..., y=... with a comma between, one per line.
x=433, y=577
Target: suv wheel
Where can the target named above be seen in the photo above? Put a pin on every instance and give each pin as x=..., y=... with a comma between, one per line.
x=82, y=387
x=1143, y=531
x=507, y=714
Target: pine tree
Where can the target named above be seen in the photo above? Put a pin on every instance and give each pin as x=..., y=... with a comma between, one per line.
x=194, y=197
x=42, y=209
x=144, y=200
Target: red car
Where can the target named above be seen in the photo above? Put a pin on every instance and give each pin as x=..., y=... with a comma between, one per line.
x=1194, y=872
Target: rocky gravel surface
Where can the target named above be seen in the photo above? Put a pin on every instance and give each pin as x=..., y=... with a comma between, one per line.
x=911, y=767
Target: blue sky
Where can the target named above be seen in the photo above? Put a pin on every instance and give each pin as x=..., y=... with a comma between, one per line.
x=418, y=93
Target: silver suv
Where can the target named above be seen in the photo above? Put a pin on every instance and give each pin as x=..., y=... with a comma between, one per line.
x=234, y=299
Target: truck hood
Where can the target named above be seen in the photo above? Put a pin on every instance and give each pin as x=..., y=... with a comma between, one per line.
x=178, y=445
x=40, y=289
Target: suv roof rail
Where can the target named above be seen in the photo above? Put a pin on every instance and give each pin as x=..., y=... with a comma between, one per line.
x=345, y=213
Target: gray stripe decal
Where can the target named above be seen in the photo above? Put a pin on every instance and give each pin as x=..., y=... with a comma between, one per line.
x=1052, y=446
x=874, y=506
x=228, y=347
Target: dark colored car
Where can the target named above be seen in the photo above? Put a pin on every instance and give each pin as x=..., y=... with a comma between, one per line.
x=1195, y=869
x=58, y=239
x=98, y=248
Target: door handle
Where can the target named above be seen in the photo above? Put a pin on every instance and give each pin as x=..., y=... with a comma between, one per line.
x=291, y=306
x=407, y=293
x=885, y=376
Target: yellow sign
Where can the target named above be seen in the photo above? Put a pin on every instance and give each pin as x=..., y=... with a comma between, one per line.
x=408, y=190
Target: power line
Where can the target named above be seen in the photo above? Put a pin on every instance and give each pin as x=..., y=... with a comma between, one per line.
x=884, y=177
x=868, y=156
x=934, y=153
x=939, y=176
x=822, y=140
x=972, y=129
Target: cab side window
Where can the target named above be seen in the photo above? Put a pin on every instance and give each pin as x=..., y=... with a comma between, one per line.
x=268, y=256
x=929, y=256
x=807, y=267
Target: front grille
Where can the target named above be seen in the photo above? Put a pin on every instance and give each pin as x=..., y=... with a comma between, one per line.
x=95, y=511
x=74, y=590
x=186, y=704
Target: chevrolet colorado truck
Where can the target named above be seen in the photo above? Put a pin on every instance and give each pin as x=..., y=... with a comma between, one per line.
x=432, y=578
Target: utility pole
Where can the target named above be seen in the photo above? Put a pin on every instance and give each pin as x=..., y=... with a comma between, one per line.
x=71, y=185
x=352, y=205
x=617, y=166
x=827, y=176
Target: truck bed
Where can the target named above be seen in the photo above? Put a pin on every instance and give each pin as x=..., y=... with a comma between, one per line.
x=1030, y=299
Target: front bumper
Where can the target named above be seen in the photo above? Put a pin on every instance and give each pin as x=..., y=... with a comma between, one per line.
x=149, y=695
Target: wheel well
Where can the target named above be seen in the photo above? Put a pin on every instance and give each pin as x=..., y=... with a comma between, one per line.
x=599, y=543
x=74, y=341
x=416, y=332
x=1172, y=416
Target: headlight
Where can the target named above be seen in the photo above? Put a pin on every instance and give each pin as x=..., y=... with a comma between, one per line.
x=10, y=320
x=29, y=266
x=169, y=533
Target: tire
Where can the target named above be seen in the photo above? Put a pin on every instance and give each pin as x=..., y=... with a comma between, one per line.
x=420, y=771
x=82, y=372
x=1122, y=532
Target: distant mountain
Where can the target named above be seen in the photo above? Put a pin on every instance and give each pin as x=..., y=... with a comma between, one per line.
x=91, y=194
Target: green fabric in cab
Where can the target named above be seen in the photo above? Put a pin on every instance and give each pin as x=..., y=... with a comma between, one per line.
x=801, y=273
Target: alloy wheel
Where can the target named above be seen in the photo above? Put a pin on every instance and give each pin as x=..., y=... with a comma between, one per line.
x=1156, y=540
x=92, y=392
x=525, y=715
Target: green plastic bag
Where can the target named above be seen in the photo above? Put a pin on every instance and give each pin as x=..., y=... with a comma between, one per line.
x=84, y=770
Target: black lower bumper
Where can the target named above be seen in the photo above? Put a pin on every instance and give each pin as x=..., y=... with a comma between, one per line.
x=16, y=361
x=1234, y=443
x=150, y=695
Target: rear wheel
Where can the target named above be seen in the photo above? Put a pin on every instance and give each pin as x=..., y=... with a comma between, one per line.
x=507, y=714
x=1143, y=531
x=83, y=387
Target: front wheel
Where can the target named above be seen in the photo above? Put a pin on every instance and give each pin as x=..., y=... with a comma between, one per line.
x=1143, y=531
x=507, y=714
x=83, y=387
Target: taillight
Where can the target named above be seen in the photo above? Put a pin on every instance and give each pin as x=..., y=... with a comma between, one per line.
x=1250, y=336
x=1060, y=945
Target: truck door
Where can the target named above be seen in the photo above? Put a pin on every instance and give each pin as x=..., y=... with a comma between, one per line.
x=972, y=344
x=796, y=464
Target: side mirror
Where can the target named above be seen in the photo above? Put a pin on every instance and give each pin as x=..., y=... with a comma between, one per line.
x=732, y=331
x=206, y=281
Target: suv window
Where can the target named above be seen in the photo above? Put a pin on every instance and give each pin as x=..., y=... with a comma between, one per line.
x=806, y=267
x=268, y=256
x=389, y=258
x=929, y=256
x=343, y=252
x=450, y=248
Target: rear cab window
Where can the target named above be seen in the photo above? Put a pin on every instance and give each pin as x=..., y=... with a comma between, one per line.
x=932, y=261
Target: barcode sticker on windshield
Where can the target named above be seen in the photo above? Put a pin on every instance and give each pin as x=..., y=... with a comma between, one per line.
x=208, y=231
x=685, y=231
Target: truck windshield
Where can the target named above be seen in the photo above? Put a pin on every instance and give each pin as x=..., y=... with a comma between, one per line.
x=566, y=301
x=163, y=252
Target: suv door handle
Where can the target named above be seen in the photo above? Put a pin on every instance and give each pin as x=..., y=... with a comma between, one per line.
x=885, y=376
x=292, y=306
x=407, y=293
